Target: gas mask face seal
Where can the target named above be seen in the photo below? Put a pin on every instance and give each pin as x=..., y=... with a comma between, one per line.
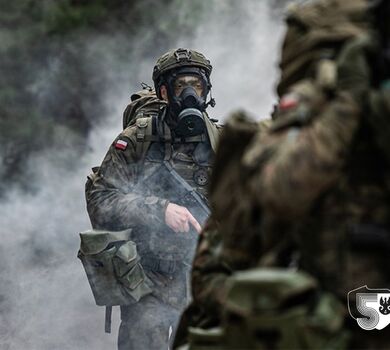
x=187, y=91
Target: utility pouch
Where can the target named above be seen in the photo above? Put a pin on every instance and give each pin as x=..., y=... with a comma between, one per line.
x=270, y=308
x=113, y=268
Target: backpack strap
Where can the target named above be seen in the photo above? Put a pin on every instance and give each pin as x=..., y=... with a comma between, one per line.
x=144, y=131
x=146, y=134
x=213, y=132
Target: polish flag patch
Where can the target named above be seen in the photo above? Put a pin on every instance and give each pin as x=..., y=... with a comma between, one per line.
x=120, y=144
x=288, y=101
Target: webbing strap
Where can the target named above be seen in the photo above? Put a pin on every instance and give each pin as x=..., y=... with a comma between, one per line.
x=168, y=146
x=145, y=136
x=197, y=138
x=107, y=322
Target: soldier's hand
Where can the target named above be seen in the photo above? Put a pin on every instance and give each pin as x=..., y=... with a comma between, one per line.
x=179, y=219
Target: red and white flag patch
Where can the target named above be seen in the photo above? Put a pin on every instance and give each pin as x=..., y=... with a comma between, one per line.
x=288, y=101
x=120, y=144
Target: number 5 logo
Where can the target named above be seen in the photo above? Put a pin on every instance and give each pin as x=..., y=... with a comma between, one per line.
x=370, y=316
x=367, y=307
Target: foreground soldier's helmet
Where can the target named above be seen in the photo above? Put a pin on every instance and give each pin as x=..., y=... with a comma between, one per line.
x=180, y=60
x=309, y=40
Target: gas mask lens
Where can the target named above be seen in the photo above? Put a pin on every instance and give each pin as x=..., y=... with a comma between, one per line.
x=185, y=81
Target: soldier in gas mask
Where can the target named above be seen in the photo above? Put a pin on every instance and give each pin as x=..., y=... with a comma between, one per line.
x=153, y=180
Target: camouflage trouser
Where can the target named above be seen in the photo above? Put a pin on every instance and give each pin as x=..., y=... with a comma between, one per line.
x=151, y=323
x=147, y=325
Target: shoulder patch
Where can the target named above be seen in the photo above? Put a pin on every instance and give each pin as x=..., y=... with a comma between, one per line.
x=121, y=144
x=288, y=101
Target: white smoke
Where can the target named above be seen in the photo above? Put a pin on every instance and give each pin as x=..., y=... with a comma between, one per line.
x=45, y=299
x=243, y=51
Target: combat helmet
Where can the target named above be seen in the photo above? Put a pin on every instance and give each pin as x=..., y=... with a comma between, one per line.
x=316, y=31
x=177, y=60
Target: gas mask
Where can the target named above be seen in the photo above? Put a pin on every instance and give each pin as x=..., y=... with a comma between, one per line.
x=187, y=91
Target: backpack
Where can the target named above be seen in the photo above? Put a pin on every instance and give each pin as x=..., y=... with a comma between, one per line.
x=144, y=103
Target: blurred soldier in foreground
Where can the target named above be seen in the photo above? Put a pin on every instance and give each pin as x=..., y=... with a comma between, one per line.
x=153, y=180
x=213, y=262
x=316, y=190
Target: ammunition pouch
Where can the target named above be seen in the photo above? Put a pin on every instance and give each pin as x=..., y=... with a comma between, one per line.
x=283, y=309
x=113, y=268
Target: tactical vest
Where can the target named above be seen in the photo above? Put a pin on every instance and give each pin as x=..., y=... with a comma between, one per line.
x=190, y=158
x=176, y=169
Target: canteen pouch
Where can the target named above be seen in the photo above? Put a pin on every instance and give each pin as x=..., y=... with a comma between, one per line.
x=113, y=268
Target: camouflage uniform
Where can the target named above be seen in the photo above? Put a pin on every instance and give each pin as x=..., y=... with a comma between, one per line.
x=327, y=181
x=129, y=191
x=323, y=172
x=319, y=179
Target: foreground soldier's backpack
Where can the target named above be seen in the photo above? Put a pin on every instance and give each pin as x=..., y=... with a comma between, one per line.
x=231, y=213
x=234, y=212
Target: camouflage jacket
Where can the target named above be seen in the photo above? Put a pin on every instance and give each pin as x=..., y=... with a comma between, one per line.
x=317, y=188
x=324, y=190
x=129, y=191
x=328, y=181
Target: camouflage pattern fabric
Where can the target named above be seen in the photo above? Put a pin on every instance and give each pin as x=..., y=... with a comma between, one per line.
x=328, y=182
x=315, y=31
x=147, y=324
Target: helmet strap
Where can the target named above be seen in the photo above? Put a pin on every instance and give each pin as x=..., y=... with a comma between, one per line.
x=211, y=102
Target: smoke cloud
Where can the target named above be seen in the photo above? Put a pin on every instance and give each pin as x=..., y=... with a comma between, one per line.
x=45, y=298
